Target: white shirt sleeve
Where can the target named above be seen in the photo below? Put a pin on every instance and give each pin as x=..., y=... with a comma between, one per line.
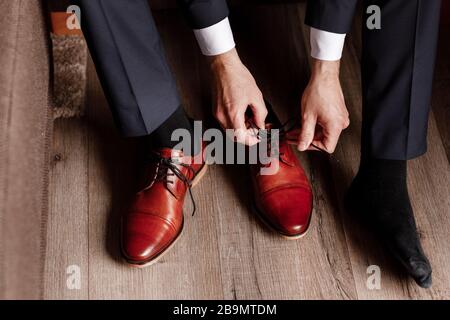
x=216, y=39
x=326, y=45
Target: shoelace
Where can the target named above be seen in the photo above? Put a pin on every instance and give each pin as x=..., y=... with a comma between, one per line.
x=284, y=130
x=164, y=165
x=167, y=167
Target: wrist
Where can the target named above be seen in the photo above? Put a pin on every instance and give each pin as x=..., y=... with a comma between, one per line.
x=325, y=69
x=223, y=60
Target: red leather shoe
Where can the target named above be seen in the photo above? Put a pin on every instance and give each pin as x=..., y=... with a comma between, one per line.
x=283, y=200
x=154, y=221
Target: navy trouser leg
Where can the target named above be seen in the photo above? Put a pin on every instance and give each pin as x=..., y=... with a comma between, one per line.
x=130, y=61
x=397, y=69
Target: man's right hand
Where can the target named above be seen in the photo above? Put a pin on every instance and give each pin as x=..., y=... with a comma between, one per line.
x=324, y=114
x=234, y=91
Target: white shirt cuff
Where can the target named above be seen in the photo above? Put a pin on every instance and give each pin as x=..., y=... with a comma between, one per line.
x=216, y=39
x=326, y=45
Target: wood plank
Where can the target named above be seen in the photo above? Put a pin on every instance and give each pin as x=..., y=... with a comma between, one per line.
x=429, y=187
x=111, y=181
x=67, y=227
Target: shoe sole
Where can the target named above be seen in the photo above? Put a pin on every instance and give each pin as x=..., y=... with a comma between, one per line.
x=284, y=236
x=138, y=265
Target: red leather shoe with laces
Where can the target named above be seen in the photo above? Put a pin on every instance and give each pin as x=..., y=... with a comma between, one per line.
x=283, y=200
x=154, y=221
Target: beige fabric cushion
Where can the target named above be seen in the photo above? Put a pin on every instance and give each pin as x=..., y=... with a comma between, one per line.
x=25, y=129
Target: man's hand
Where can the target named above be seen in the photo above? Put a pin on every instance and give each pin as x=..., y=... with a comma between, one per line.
x=324, y=114
x=234, y=91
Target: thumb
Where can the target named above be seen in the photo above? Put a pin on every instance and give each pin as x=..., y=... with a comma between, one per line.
x=331, y=138
x=307, y=132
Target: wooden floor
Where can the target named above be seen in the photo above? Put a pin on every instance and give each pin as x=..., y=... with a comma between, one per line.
x=225, y=253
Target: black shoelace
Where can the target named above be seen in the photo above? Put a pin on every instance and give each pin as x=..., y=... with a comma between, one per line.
x=284, y=128
x=167, y=167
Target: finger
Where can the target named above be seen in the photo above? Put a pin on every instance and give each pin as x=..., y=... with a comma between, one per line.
x=245, y=136
x=221, y=118
x=259, y=113
x=242, y=134
x=331, y=138
x=307, y=132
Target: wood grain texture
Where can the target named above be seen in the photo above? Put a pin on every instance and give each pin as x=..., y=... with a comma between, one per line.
x=225, y=252
x=67, y=224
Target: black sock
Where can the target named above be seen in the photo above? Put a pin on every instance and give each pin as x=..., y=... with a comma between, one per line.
x=380, y=190
x=162, y=136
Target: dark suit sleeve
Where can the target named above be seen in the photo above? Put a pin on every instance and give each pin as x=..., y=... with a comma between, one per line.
x=331, y=15
x=204, y=13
